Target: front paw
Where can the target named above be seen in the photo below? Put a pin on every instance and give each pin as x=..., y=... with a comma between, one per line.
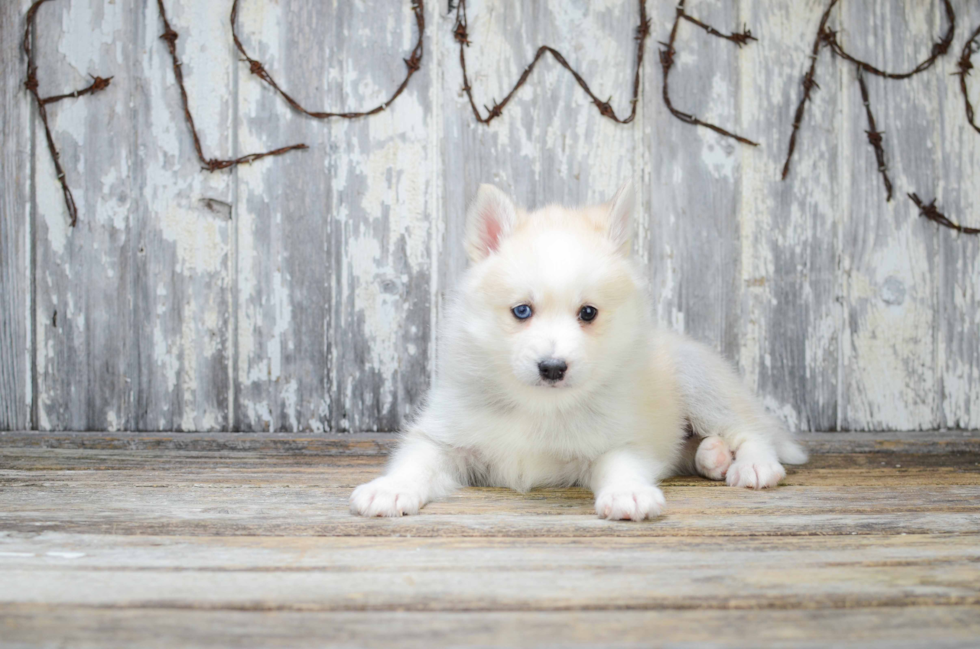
x=754, y=473
x=630, y=502
x=386, y=497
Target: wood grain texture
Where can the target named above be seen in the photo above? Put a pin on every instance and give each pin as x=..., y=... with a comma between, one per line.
x=550, y=145
x=334, y=244
x=183, y=223
x=790, y=315
x=304, y=293
x=211, y=547
x=958, y=262
x=202, y=492
x=953, y=626
x=888, y=256
x=87, y=356
x=692, y=177
x=919, y=443
x=16, y=233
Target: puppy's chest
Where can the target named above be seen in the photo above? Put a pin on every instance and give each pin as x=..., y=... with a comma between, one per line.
x=526, y=452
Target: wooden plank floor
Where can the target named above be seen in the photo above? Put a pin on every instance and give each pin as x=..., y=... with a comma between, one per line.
x=225, y=540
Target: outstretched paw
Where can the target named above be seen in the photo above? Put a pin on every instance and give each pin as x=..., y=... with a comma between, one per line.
x=630, y=502
x=713, y=458
x=385, y=497
x=754, y=473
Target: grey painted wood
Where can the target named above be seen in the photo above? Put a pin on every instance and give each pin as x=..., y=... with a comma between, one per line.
x=790, y=315
x=304, y=293
x=889, y=255
x=16, y=124
x=333, y=311
x=285, y=255
x=877, y=628
x=179, y=237
x=691, y=176
x=958, y=263
x=202, y=547
x=87, y=359
x=942, y=443
x=550, y=145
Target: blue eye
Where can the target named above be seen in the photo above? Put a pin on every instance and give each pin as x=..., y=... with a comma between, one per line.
x=588, y=313
x=522, y=311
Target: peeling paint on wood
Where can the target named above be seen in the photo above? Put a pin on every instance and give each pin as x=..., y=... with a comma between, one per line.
x=304, y=293
x=16, y=309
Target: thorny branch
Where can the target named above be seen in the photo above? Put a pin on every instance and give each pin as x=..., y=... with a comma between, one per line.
x=931, y=212
x=809, y=83
x=828, y=37
x=939, y=48
x=412, y=63
x=31, y=84
x=210, y=164
x=667, y=62
x=964, y=65
x=461, y=35
x=875, y=136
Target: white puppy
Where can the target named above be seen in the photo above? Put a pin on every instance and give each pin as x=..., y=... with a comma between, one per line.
x=552, y=373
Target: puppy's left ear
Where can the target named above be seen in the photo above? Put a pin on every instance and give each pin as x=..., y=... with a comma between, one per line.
x=620, y=217
x=490, y=218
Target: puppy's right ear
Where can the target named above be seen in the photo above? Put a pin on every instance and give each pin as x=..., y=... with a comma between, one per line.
x=490, y=218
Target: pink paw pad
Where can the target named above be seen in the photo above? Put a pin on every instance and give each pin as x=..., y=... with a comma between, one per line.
x=713, y=458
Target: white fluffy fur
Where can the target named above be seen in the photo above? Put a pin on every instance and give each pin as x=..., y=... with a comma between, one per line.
x=636, y=404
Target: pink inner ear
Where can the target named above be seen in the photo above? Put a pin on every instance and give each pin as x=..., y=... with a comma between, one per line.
x=491, y=230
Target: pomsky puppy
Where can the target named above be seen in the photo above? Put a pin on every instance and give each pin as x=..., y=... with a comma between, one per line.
x=552, y=373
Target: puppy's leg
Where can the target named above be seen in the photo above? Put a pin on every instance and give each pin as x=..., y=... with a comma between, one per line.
x=713, y=458
x=622, y=482
x=419, y=471
x=705, y=456
x=718, y=405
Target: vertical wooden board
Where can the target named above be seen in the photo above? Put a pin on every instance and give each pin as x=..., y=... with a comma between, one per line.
x=550, y=145
x=381, y=221
x=957, y=188
x=180, y=240
x=692, y=175
x=888, y=253
x=284, y=258
x=16, y=366
x=788, y=286
x=87, y=362
x=334, y=326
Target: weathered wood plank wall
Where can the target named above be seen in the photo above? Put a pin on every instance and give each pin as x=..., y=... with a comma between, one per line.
x=304, y=292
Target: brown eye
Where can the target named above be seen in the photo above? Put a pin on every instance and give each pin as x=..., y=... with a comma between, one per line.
x=588, y=313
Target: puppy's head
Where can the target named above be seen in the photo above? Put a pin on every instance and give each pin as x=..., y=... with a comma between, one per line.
x=553, y=304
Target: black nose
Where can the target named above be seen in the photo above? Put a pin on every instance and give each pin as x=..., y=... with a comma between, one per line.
x=552, y=369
